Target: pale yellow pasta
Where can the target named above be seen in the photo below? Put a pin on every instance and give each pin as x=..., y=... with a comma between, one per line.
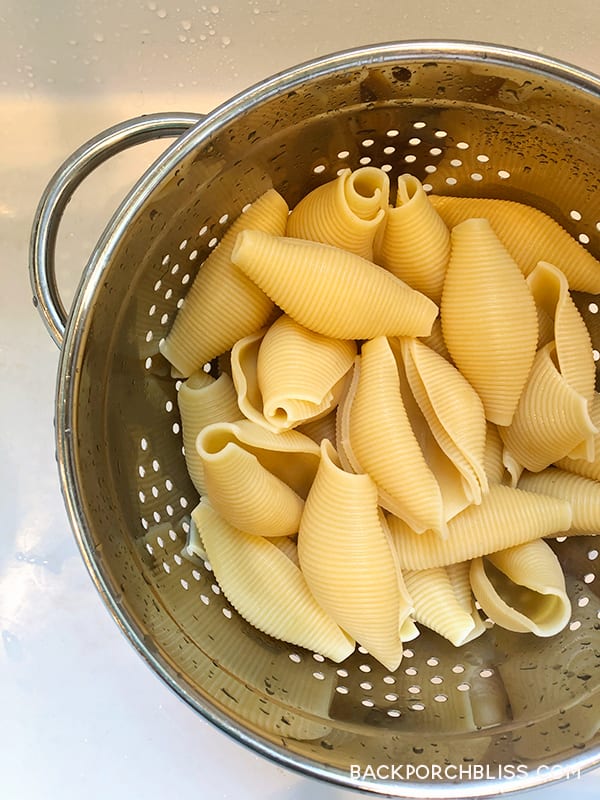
x=414, y=242
x=551, y=420
x=504, y=518
x=347, y=559
x=459, y=576
x=528, y=234
x=345, y=212
x=331, y=291
x=223, y=305
x=436, y=605
x=581, y=466
x=452, y=409
x=244, y=357
x=257, y=479
x=492, y=455
x=267, y=588
x=377, y=437
x=582, y=493
x=299, y=372
x=436, y=341
x=489, y=318
x=288, y=547
x=523, y=589
x=321, y=428
x=202, y=400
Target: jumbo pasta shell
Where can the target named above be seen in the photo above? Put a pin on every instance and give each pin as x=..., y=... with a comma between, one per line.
x=582, y=493
x=330, y=291
x=523, y=589
x=266, y=588
x=505, y=517
x=203, y=400
x=489, y=318
x=348, y=561
x=528, y=234
x=582, y=466
x=222, y=304
x=345, y=212
x=414, y=241
x=551, y=420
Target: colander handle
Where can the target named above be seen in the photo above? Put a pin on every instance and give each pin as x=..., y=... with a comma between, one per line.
x=68, y=177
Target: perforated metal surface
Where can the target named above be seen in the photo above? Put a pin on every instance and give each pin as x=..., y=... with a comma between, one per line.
x=494, y=125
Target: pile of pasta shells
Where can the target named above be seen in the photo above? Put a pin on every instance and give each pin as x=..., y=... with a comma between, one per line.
x=404, y=412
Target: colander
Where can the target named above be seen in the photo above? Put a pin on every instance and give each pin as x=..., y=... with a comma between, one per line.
x=503, y=713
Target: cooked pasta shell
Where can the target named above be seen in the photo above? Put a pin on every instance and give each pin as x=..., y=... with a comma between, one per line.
x=551, y=419
x=452, y=409
x=299, y=372
x=222, y=304
x=266, y=588
x=347, y=559
x=459, y=576
x=523, y=589
x=489, y=318
x=345, y=212
x=257, y=479
x=504, y=518
x=244, y=358
x=493, y=455
x=583, y=466
x=331, y=291
x=436, y=606
x=203, y=400
x=414, y=242
x=582, y=493
x=528, y=234
x=377, y=437
x=435, y=340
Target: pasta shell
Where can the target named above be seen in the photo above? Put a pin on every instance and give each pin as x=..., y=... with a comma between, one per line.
x=581, y=466
x=257, y=479
x=378, y=439
x=435, y=340
x=489, y=318
x=459, y=576
x=523, y=589
x=345, y=212
x=267, y=588
x=299, y=372
x=504, y=518
x=493, y=455
x=414, y=243
x=331, y=291
x=582, y=493
x=528, y=234
x=436, y=606
x=551, y=419
x=452, y=409
x=348, y=562
x=244, y=358
x=223, y=305
x=203, y=400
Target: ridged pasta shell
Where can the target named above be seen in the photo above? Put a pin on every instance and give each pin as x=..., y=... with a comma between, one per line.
x=523, y=589
x=348, y=562
x=244, y=358
x=504, y=518
x=257, y=479
x=436, y=605
x=452, y=409
x=581, y=466
x=331, y=291
x=489, y=318
x=203, y=400
x=222, y=304
x=299, y=372
x=377, y=438
x=267, y=588
x=551, y=420
x=582, y=493
x=435, y=340
x=459, y=576
x=492, y=456
x=528, y=234
x=345, y=212
x=414, y=241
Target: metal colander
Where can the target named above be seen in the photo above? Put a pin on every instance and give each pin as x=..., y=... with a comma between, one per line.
x=505, y=712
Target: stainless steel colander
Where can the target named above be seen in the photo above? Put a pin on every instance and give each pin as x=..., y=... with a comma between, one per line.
x=505, y=712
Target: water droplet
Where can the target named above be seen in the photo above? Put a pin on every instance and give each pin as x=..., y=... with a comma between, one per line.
x=98, y=37
x=72, y=42
x=225, y=41
x=186, y=25
x=161, y=13
x=214, y=9
x=182, y=37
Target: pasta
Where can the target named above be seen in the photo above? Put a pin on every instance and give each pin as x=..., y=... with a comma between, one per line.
x=229, y=305
x=528, y=234
x=491, y=335
x=331, y=291
x=414, y=242
x=368, y=466
x=346, y=212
